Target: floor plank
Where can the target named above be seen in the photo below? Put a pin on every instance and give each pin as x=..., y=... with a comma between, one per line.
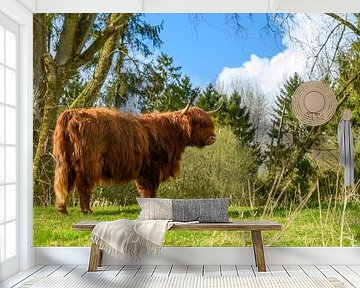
x=178, y=270
x=195, y=271
x=112, y=270
x=47, y=271
x=329, y=271
x=355, y=268
x=245, y=271
x=129, y=270
x=229, y=270
x=162, y=271
x=62, y=271
x=20, y=277
x=212, y=270
x=78, y=271
x=349, y=275
x=278, y=270
x=352, y=277
x=311, y=271
x=146, y=271
x=294, y=271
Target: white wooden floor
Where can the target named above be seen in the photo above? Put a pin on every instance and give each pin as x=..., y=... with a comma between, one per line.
x=350, y=275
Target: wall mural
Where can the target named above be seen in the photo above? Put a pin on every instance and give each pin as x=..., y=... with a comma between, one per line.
x=279, y=141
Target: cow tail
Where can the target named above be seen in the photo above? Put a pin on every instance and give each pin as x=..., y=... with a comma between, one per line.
x=62, y=152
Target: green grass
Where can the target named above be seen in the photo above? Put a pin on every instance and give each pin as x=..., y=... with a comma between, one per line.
x=307, y=228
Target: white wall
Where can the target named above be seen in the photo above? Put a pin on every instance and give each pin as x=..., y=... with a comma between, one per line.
x=210, y=256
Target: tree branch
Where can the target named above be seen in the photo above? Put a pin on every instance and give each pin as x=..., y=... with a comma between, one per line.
x=322, y=48
x=336, y=49
x=84, y=27
x=343, y=21
x=116, y=23
x=65, y=45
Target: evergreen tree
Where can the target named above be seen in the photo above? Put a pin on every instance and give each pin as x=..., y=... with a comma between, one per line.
x=238, y=118
x=284, y=120
x=166, y=88
x=232, y=113
x=209, y=98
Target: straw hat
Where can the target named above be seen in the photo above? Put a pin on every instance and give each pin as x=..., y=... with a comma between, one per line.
x=314, y=103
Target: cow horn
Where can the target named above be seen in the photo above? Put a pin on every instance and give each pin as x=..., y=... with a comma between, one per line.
x=216, y=110
x=186, y=109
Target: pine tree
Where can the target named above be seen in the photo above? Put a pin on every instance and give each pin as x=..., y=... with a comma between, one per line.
x=238, y=118
x=166, y=88
x=209, y=98
x=284, y=120
x=232, y=113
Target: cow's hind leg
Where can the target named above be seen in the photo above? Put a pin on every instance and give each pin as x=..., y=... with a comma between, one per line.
x=64, y=182
x=84, y=189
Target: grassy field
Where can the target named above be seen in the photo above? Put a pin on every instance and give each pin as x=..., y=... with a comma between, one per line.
x=309, y=226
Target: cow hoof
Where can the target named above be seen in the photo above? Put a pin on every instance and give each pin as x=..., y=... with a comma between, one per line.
x=62, y=209
x=86, y=211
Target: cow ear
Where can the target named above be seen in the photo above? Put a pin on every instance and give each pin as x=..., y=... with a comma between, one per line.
x=186, y=109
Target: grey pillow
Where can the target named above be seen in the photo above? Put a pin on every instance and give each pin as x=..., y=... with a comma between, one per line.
x=213, y=210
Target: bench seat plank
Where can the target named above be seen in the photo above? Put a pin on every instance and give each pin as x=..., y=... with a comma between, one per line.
x=231, y=226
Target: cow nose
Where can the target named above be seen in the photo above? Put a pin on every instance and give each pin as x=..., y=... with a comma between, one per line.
x=212, y=138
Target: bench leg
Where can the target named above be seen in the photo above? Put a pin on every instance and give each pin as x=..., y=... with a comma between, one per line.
x=95, y=257
x=258, y=250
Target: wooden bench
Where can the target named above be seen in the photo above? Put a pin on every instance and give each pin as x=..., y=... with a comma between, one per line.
x=256, y=227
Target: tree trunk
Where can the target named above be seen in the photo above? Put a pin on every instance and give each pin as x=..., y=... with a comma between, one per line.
x=52, y=76
x=39, y=77
x=43, y=162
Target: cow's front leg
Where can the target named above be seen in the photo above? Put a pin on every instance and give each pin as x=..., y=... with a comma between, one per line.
x=146, y=188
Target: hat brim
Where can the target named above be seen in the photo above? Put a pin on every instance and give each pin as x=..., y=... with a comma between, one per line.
x=314, y=103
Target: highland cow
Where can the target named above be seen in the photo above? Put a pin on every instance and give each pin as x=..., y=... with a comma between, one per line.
x=100, y=145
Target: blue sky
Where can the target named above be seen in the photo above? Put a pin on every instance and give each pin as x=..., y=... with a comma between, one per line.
x=203, y=48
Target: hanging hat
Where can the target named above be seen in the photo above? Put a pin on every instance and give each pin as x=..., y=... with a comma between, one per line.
x=314, y=103
x=288, y=138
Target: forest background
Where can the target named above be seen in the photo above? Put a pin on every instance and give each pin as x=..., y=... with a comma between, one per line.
x=270, y=165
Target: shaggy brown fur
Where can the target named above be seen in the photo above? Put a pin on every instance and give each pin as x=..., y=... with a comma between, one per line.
x=103, y=145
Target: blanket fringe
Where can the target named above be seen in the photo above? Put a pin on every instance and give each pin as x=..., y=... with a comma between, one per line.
x=133, y=248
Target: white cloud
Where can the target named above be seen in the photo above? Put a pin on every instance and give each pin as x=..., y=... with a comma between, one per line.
x=302, y=41
x=267, y=74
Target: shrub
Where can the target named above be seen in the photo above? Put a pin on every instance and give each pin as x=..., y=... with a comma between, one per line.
x=223, y=169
